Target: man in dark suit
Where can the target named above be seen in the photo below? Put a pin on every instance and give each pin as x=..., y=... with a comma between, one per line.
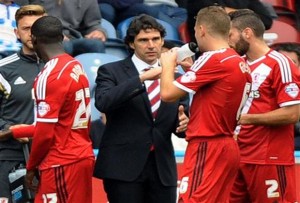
x=136, y=157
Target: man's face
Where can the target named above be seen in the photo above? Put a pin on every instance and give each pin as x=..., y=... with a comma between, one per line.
x=293, y=56
x=147, y=45
x=237, y=42
x=23, y=32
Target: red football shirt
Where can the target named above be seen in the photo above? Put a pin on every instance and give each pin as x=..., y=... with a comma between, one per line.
x=275, y=84
x=63, y=99
x=219, y=81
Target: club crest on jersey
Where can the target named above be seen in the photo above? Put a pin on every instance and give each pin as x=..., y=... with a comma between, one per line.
x=188, y=77
x=43, y=108
x=292, y=90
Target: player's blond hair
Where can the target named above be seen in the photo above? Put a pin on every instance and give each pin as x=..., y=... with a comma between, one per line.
x=29, y=10
x=215, y=19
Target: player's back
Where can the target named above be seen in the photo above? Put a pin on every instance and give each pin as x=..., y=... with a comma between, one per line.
x=63, y=97
x=223, y=81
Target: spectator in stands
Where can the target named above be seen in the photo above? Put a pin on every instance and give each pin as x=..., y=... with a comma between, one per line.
x=82, y=24
x=136, y=159
x=166, y=10
x=292, y=50
x=256, y=5
x=8, y=40
x=17, y=74
x=21, y=2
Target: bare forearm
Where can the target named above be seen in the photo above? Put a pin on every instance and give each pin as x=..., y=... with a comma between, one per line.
x=281, y=116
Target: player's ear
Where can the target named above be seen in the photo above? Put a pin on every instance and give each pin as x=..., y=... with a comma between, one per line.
x=33, y=39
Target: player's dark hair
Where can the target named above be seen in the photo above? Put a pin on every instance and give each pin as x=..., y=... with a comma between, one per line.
x=246, y=18
x=142, y=22
x=47, y=30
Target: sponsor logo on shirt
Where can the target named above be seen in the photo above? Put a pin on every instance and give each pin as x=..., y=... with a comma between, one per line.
x=189, y=76
x=292, y=90
x=43, y=108
x=19, y=81
x=244, y=67
x=254, y=94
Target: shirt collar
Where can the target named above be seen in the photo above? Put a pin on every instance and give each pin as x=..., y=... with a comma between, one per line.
x=141, y=65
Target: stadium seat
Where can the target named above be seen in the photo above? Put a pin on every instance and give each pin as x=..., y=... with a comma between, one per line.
x=91, y=63
x=281, y=32
x=286, y=11
x=116, y=47
x=172, y=32
x=288, y=5
x=109, y=28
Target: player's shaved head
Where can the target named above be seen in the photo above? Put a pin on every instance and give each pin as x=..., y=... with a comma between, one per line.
x=47, y=29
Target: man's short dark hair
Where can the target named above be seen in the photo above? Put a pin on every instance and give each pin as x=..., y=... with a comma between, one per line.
x=288, y=47
x=143, y=22
x=47, y=29
x=246, y=18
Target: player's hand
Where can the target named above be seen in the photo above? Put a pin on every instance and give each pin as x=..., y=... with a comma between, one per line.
x=183, y=120
x=186, y=63
x=168, y=59
x=244, y=119
x=152, y=74
x=5, y=135
x=23, y=140
x=29, y=180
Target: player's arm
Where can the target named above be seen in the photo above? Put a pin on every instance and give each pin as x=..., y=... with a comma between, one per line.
x=168, y=91
x=281, y=116
x=17, y=131
x=43, y=140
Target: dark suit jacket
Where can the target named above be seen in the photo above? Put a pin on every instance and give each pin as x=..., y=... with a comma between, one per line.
x=130, y=129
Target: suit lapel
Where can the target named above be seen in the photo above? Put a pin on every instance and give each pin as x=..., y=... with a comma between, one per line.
x=131, y=71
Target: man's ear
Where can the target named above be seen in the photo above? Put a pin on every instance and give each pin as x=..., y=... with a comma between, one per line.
x=247, y=33
x=17, y=33
x=131, y=45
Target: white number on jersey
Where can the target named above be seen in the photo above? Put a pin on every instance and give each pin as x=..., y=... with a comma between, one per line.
x=84, y=110
x=273, y=186
x=184, y=185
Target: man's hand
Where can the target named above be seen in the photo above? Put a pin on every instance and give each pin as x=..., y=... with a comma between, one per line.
x=183, y=120
x=244, y=119
x=168, y=59
x=96, y=34
x=5, y=135
x=29, y=179
x=152, y=74
x=186, y=63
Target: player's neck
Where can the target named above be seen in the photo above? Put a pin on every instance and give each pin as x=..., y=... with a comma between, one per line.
x=257, y=50
x=52, y=51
